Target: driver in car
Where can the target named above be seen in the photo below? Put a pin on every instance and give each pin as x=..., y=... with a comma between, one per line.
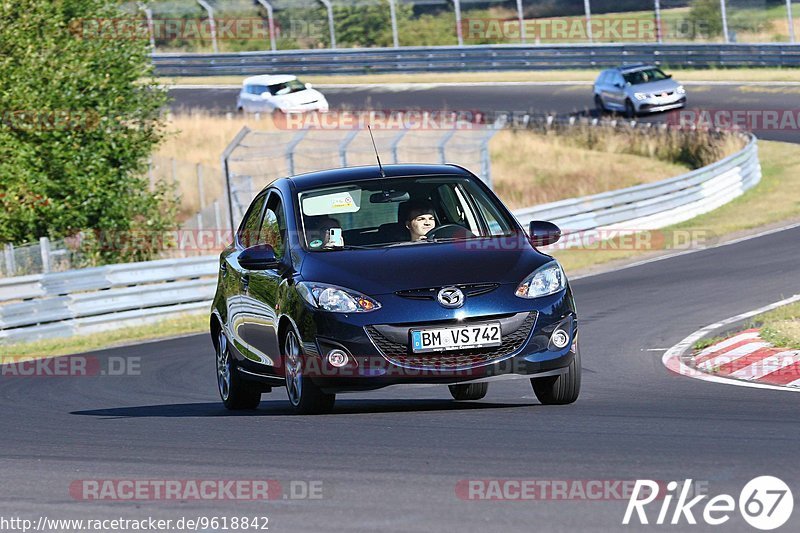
x=420, y=220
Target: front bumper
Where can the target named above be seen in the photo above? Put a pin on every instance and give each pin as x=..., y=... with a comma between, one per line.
x=659, y=105
x=379, y=356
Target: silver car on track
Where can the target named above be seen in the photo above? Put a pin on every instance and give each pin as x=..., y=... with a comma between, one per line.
x=637, y=89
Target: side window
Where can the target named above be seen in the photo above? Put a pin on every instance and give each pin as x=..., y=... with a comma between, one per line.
x=619, y=80
x=248, y=231
x=273, y=230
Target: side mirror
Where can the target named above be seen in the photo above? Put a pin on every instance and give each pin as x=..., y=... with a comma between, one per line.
x=258, y=257
x=309, y=86
x=544, y=233
x=669, y=76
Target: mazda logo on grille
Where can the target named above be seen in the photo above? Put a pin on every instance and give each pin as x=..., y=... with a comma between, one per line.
x=451, y=297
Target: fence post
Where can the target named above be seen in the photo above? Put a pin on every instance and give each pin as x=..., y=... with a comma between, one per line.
x=343, y=146
x=226, y=171
x=393, y=15
x=44, y=249
x=521, y=17
x=791, y=20
x=443, y=143
x=271, y=19
x=459, y=29
x=200, y=187
x=395, y=143
x=211, y=23
x=724, y=13
x=587, y=8
x=290, y=148
x=329, y=7
x=11, y=265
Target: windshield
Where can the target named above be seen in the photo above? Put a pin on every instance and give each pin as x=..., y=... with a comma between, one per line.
x=287, y=88
x=400, y=211
x=645, y=76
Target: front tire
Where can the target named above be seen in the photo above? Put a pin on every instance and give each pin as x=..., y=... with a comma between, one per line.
x=630, y=110
x=561, y=389
x=235, y=392
x=470, y=391
x=304, y=395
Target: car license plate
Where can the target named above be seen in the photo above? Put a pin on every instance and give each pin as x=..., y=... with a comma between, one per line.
x=456, y=338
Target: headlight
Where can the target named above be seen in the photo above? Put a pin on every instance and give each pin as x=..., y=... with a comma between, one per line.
x=640, y=96
x=547, y=280
x=681, y=90
x=336, y=299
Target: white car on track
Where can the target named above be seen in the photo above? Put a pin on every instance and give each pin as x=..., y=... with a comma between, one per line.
x=284, y=93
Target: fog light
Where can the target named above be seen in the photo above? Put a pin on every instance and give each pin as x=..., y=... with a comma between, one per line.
x=560, y=338
x=337, y=358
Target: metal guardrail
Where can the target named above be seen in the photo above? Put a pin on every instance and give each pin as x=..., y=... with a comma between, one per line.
x=94, y=299
x=476, y=58
x=655, y=205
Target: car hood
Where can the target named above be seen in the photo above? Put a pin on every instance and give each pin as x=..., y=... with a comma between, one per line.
x=655, y=86
x=297, y=99
x=417, y=266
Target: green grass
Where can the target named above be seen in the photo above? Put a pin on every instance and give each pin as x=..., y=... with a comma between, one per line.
x=781, y=326
x=84, y=343
x=773, y=200
x=702, y=344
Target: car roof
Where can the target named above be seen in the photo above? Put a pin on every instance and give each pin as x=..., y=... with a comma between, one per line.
x=268, y=79
x=634, y=68
x=349, y=174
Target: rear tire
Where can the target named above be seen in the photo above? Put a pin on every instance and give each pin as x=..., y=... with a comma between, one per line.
x=599, y=105
x=470, y=391
x=235, y=392
x=561, y=389
x=304, y=396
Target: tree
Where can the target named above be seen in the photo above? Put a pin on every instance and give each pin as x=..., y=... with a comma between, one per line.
x=81, y=113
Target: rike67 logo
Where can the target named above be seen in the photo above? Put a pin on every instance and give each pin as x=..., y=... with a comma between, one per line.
x=765, y=503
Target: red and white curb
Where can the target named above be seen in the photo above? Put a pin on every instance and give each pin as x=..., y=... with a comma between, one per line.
x=744, y=359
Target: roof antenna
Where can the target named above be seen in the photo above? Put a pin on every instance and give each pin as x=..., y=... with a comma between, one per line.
x=383, y=174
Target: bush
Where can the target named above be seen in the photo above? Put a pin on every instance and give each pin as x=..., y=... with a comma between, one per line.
x=81, y=115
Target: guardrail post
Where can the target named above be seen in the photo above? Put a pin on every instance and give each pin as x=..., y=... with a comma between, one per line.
x=11, y=265
x=44, y=249
x=271, y=19
x=212, y=23
x=393, y=15
x=329, y=7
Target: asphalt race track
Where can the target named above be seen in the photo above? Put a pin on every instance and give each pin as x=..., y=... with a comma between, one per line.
x=390, y=460
x=562, y=99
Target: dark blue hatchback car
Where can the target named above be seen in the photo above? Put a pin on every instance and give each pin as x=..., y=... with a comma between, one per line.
x=359, y=278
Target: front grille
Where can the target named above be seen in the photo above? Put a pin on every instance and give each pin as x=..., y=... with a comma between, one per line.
x=429, y=293
x=400, y=353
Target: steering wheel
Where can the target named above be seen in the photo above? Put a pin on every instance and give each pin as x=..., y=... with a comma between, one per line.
x=448, y=231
